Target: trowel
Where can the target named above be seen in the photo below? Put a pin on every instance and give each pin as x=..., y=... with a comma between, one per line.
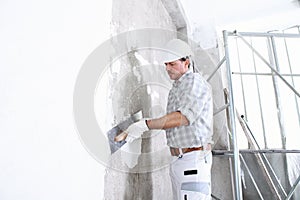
x=116, y=135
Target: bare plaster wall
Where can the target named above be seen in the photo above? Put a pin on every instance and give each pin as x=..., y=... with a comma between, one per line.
x=138, y=84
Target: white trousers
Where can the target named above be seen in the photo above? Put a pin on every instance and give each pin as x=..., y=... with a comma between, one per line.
x=191, y=176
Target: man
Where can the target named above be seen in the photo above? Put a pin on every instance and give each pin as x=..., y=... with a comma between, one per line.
x=188, y=125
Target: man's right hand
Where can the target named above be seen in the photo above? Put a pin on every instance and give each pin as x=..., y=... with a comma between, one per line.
x=133, y=132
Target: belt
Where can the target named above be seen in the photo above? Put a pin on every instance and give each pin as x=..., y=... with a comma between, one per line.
x=179, y=151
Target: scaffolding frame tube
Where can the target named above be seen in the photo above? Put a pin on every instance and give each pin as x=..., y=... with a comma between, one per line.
x=221, y=109
x=229, y=139
x=251, y=177
x=252, y=151
x=293, y=189
x=262, y=74
x=274, y=59
x=292, y=77
x=280, y=116
x=241, y=78
x=230, y=164
x=238, y=184
x=259, y=34
x=259, y=100
x=217, y=68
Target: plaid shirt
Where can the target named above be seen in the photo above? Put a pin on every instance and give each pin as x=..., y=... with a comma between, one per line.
x=192, y=96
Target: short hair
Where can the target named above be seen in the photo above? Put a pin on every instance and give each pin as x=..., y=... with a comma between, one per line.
x=186, y=58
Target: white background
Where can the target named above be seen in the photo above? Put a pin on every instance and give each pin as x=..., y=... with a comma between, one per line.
x=42, y=47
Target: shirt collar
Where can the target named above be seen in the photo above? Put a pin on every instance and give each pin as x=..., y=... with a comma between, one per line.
x=177, y=82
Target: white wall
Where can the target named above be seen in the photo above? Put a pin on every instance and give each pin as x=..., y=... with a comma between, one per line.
x=43, y=44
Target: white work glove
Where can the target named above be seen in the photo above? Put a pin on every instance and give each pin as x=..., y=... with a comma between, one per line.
x=135, y=130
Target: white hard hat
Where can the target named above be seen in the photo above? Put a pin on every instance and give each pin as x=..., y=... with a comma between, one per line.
x=176, y=49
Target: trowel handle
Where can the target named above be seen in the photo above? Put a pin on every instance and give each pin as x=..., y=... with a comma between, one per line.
x=122, y=136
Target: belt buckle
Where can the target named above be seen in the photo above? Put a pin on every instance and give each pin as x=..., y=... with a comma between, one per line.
x=176, y=151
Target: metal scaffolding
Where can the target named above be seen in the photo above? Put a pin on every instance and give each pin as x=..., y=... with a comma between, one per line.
x=266, y=64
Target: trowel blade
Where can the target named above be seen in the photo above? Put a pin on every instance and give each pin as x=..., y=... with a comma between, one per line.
x=111, y=134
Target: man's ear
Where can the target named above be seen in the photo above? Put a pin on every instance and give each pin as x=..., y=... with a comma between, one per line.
x=187, y=62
